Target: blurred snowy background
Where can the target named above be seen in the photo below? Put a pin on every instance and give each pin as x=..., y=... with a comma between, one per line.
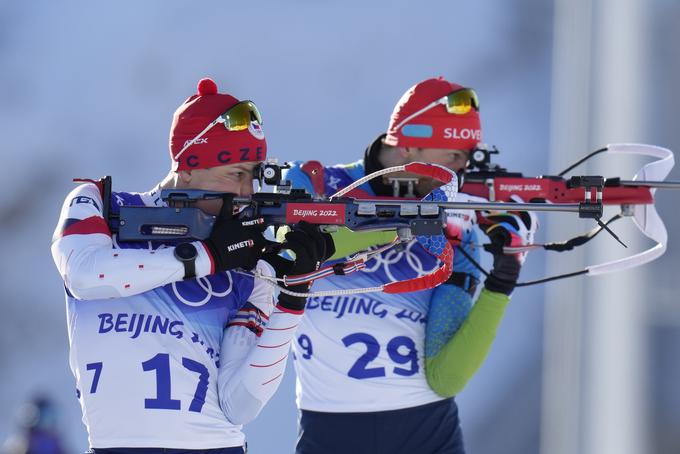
x=88, y=89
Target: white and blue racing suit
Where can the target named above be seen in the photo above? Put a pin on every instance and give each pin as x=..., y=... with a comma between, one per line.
x=162, y=362
x=360, y=359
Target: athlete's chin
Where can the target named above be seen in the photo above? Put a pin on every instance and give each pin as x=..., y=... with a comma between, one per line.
x=211, y=207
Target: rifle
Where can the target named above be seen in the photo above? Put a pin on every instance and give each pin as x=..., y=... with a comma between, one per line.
x=635, y=197
x=425, y=218
x=181, y=220
x=496, y=183
x=422, y=219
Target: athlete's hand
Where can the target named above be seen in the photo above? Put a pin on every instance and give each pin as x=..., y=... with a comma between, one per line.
x=235, y=243
x=458, y=224
x=507, y=229
x=459, y=231
x=311, y=248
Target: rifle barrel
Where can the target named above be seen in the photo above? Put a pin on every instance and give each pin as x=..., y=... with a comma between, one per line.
x=652, y=184
x=554, y=207
x=559, y=207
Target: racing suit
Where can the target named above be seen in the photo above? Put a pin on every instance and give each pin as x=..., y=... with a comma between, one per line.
x=377, y=372
x=162, y=362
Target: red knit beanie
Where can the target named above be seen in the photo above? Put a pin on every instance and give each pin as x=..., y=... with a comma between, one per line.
x=435, y=127
x=218, y=146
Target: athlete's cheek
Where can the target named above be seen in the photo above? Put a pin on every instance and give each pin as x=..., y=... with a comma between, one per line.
x=230, y=184
x=246, y=188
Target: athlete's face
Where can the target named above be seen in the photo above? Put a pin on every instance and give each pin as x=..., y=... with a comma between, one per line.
x=451, y=159
x=235, y=178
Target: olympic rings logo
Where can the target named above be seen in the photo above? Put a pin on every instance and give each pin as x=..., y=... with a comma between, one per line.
x=391, y=257
x=203, y=282
x=206, y=285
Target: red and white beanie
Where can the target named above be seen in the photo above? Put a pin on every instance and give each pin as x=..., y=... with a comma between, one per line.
x=218, y=146
x=436, y=127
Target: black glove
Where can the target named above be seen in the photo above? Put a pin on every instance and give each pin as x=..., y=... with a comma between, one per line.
x=505, y=272
x=311, y=247
x=235, y=243
x=504, y=229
